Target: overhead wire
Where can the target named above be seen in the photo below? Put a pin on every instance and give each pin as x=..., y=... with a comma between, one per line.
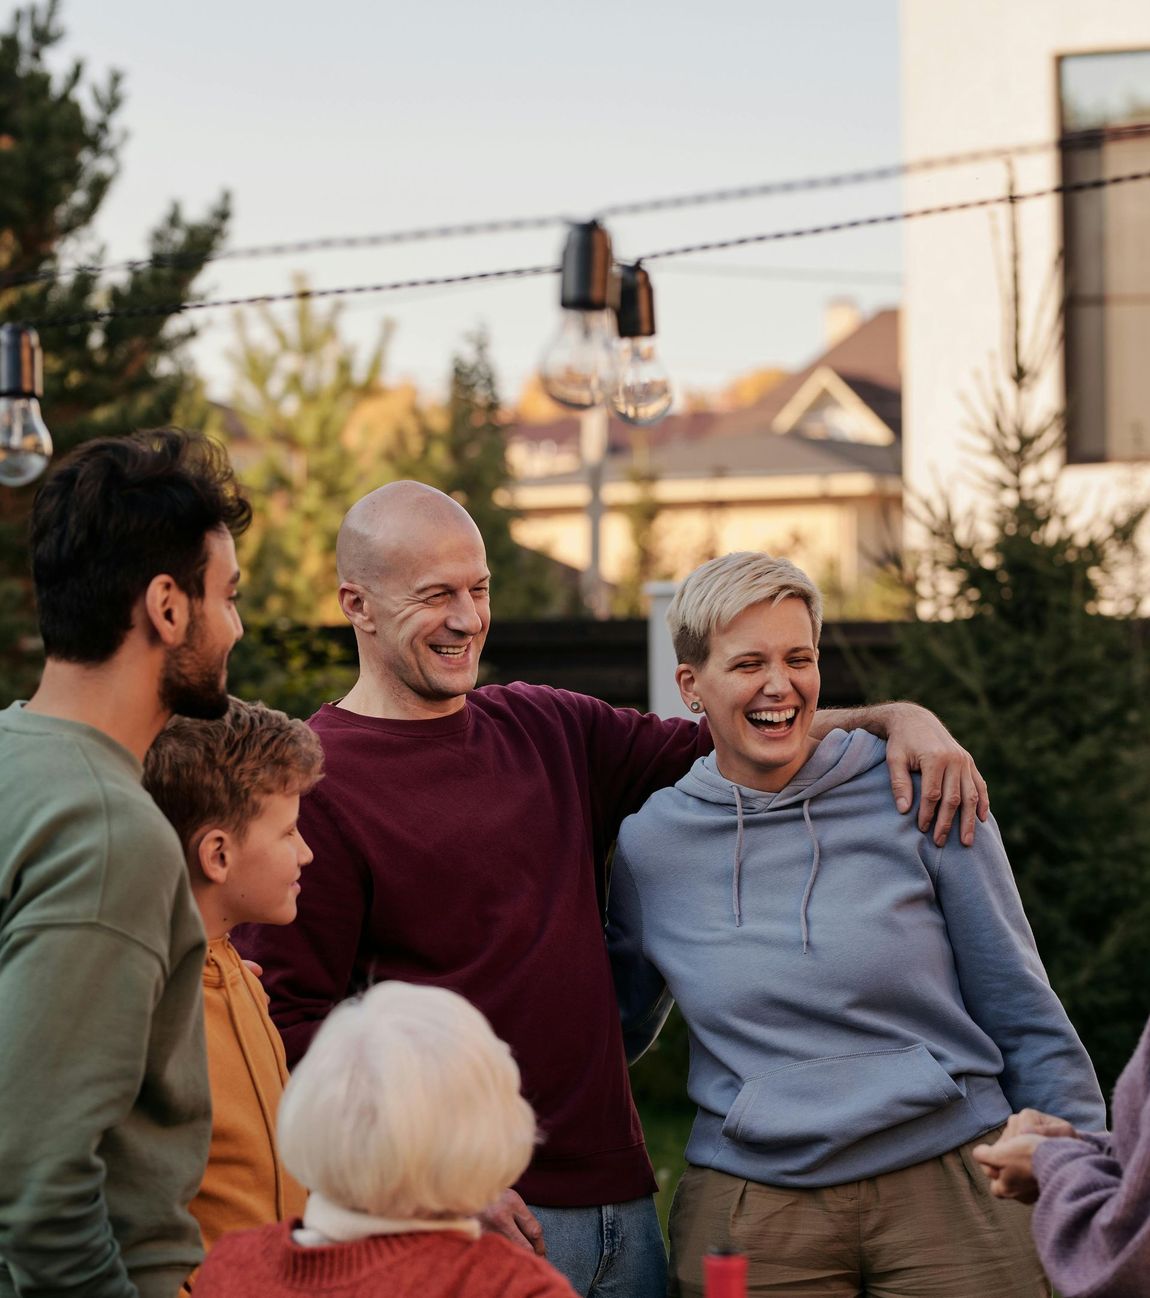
x=524, y=272
x=815, y=274
x=636, y=207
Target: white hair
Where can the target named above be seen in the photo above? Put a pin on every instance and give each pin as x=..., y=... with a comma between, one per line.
x=717, y=592
x=406, y=1105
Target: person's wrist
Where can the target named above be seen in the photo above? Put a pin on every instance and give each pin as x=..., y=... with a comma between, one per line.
x=883, y=718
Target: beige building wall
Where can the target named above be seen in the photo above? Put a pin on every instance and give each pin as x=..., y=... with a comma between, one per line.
x=831, y=530
x=978, y=74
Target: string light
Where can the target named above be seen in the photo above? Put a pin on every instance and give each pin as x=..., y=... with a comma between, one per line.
x=642, y=390
x=524, y=272
x=578, y=366
x=25, y=443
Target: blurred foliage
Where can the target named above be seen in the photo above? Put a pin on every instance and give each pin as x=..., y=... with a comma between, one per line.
x=534, y=406
x=296, y=385
x=293, y=668
x=1027, y=646
x=642, y=516
x=59, y=155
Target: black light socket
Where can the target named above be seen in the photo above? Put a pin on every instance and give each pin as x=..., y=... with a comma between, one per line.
x=21, y=362
x=586, y=279
x=635, y=312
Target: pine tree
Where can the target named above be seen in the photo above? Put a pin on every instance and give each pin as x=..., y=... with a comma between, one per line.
x=59, y=147
x=1027, y=646
x=296, y=386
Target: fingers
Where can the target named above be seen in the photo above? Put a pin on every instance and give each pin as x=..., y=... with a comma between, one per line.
x=900, y=783
x=969, y=808
x=951, y=786
x=949, y=789
x=933, y=790
x=531, y=1230
x=1033, y=1122
x=984, y=1155
x=983, y=793
x=256, y=968
x=510, y=1217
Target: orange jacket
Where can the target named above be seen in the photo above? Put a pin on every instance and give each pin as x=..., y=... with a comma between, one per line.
x=245, y=1185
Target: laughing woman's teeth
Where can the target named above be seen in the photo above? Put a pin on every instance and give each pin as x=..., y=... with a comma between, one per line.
x=773, y=718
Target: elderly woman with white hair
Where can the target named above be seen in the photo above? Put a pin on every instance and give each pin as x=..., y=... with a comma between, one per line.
x=404, y=1119
x=863, y=1006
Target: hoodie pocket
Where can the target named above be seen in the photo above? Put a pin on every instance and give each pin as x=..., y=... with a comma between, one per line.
x=810, y=1111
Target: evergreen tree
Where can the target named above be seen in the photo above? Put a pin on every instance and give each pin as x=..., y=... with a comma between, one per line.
x=59, y=147
x=1027, y=647
x=296, y=388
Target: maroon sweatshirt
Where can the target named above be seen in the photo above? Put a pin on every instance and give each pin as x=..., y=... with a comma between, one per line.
x=467, y=852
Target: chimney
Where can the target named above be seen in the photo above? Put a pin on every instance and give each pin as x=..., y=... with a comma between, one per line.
x=840, y=319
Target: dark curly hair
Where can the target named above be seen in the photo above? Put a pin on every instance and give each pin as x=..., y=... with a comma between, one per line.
x=115, y=513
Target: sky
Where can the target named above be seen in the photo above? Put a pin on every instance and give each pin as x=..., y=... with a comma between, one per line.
x=359, y=116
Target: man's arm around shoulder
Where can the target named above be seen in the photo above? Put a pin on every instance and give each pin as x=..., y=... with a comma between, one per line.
x=916, y=740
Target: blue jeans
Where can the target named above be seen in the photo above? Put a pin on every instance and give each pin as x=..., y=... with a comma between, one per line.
x=615, y=1251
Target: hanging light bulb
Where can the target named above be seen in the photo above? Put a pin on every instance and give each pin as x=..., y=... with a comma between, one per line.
x=642, y=390
x=25, y=443
x=577, y=369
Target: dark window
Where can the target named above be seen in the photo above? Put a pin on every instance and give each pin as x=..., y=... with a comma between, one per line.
x=1105, y=109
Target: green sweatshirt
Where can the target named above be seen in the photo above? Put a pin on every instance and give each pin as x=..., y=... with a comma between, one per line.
x=105, y=1115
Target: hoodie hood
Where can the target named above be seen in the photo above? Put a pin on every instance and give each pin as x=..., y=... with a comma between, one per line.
x=840, y=757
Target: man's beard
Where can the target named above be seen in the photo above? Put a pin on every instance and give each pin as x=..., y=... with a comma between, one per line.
x=191, y=686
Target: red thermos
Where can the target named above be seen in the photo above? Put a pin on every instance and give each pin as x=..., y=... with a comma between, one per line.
x=725, y=1274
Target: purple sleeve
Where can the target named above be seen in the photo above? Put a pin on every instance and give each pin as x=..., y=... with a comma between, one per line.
x=309, y=965
x=632, y=754
x=1092, y=1221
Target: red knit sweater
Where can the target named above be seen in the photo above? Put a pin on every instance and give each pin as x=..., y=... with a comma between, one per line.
x=266, y=1263
x=467, y=852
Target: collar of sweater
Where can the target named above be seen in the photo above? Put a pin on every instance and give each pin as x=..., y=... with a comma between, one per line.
x=327, y=1222
x=311, y=1268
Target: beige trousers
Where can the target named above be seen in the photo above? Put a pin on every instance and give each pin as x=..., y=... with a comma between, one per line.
x=933, y=1230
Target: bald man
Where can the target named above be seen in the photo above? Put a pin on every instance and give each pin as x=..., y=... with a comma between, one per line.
x=460, y=836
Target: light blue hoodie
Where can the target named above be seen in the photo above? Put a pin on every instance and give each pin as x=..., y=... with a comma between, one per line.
x=858, y=999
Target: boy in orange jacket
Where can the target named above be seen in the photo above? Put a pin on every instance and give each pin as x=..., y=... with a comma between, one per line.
x=231, y=789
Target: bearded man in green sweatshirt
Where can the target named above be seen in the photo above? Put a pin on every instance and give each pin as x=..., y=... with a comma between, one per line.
x=105, y=1113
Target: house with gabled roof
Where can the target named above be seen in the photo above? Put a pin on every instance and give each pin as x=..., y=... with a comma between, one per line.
x=812, y=470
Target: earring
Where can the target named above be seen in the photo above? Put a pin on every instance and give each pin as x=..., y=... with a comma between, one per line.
x=696, y=706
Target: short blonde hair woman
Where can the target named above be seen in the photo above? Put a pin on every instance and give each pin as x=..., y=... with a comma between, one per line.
x=404, y=1120
x=862, y=1003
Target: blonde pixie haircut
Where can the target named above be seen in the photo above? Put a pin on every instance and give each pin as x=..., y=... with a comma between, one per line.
x=718, y=591
x=406, y=1105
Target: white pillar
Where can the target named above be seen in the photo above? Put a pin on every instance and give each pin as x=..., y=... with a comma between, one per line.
x=663, y=696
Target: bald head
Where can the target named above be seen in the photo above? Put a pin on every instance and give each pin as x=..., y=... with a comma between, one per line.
x=391, y=523
x=415, y=586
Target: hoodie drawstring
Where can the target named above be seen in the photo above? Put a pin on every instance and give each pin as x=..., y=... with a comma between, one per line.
x=736, y=875
x=811, y=880
x=738, y=858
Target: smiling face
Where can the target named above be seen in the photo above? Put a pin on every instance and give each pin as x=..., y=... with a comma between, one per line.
x=430, y=610
x=759, y=688
x=263, y=879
